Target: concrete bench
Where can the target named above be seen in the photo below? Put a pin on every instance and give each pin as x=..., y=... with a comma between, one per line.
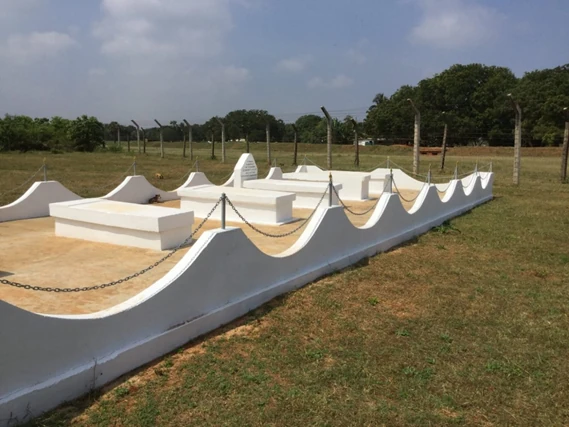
x=260, y=207
x=308, y=194
x=355, y=185
x=120, y=223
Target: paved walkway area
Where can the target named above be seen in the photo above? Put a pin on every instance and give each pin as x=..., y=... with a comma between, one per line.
x=31, y=254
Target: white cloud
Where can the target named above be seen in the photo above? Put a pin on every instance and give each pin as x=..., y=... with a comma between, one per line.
x=295, y=64
x=168, y=28
x=27, y=48
x=339, y=82
x=356, y=54
x=455, y=24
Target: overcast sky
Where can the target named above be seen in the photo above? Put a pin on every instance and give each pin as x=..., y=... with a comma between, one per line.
x=175, y=59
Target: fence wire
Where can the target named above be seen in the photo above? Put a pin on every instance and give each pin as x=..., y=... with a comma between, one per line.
x=119, y=281
x=24, y=183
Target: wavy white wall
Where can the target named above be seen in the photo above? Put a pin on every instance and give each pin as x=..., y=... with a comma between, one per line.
x=63, y=357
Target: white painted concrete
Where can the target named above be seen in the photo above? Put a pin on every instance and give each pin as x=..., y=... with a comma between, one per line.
x=137, y=189
x=308, y=168
x=121, y=223
x=46, y=360
x=34, y=203
x=308, y=194
x=245, y=170
x=258, y=207
x=355, y=185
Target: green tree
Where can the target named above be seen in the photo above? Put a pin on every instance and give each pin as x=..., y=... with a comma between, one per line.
x=86, y=133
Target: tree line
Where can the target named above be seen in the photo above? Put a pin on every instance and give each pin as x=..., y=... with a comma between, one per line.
x=472, y=100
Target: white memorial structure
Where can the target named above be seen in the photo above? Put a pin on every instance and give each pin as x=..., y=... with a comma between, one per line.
x=120, y=223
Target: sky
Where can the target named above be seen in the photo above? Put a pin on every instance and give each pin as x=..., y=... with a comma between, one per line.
x=194, y=59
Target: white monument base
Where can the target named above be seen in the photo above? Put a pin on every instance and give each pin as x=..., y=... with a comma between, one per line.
x=121, y=223
x=355, y=185
x=259, y=207
x=308, y=194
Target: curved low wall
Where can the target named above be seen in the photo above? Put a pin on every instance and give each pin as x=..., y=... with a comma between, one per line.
x=63, y=357
x=34, y=203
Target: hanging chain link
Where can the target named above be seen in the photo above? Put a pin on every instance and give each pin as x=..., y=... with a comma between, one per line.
x=351, y=211
x=26, y=182
x=276, y=236
x=407, y=200
x=119, y=281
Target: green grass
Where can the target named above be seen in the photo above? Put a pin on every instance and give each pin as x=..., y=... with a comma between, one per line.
x=466, y=325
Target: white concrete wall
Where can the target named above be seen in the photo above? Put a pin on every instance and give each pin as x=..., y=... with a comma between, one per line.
x=34, y=203
x=45, y=360
x=137, y=189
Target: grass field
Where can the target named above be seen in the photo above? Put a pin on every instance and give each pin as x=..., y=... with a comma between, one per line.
x=466, y=325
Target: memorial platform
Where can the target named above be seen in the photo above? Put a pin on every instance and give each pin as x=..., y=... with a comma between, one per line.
x=121, y=223
x=258, y=207
x=355, y=185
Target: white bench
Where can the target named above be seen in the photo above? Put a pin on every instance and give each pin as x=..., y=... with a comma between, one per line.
x=355, y=185
x=120, y=223
x=308, y=194
x=260, y=207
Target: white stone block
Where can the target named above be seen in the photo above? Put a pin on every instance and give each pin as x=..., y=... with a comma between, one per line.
x=355, y=185
x=308, y=194
x=120, y=223
x=259, y=207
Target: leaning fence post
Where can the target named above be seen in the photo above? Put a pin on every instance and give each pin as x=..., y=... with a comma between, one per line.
x=456, y=171
x=44, y=170
x=330, y=190
x=223, y=199
x=134, y=167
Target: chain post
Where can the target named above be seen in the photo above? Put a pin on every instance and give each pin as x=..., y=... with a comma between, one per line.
x=134, y=166
x=44, y=170
x=456, y=171
x=330, y=190
x=197, y=165
x=223, y=200
x=388, y=163
x=476, y=167
x=429, y=175
x=490, y=166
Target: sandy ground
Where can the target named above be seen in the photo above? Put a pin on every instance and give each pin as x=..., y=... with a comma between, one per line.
x=31, y=254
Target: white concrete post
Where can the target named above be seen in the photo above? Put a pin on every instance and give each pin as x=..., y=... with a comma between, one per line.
x=417, y=138
x=517, y=139
x=388, y=186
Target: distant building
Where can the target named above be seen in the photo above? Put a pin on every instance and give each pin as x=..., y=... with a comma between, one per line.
x=365, y=142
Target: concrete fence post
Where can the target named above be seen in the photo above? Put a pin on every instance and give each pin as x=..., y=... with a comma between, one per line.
x=517, y=139
x=223, y=200
x=565, y=149
x=134, y=167
x=388, y=163
x=429, y=175
x=491, y=166
x=416, y=138
x=197, y=165
x=330, y=190
x=330, y=133
x=456, y=171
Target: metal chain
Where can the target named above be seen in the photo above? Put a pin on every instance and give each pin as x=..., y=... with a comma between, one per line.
x=276, y=236
x=315, y=164
x=471, y=180
x=445, y=190
x=181, y=181
x=115, y=282
x=21, y=185
x=403, y=198
x=351, y=211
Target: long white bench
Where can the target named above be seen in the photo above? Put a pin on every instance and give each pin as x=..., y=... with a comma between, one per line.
x=308, y=194
x=260, y=207
x=120, y=223
x=355, y=185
